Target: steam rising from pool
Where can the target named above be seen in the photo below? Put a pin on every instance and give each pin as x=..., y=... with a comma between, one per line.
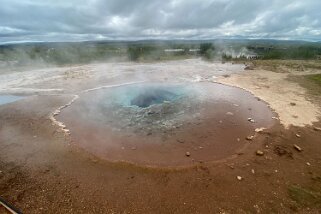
x=146, y=95
x=156, y=123
x=151, y=97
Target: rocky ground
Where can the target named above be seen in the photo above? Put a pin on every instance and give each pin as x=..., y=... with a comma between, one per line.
x=279, y=172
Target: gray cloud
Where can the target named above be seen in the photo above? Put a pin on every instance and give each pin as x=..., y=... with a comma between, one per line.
x=74, y=20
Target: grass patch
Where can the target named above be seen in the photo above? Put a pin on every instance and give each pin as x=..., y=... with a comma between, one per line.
x=315, y=78
x=304, y=197
x=283, y=66
x=288, y=66
x=310, y=82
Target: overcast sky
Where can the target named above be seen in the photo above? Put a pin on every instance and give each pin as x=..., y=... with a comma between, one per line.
x=78, y=20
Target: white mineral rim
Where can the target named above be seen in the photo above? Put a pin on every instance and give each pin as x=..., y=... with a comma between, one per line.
x=61, y=126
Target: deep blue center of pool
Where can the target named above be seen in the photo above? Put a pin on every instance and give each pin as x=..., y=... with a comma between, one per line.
x=145, y=95
x=152, y=96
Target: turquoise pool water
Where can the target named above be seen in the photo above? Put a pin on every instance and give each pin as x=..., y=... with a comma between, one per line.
x=146, y=95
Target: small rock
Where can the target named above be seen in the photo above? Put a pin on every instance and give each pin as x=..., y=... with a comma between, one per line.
x=249, y=67
x=134, y=148
x=317, y=128
x=298, y=148
x=292, y=104
x=275, y=118
x=180, y=140
x=229, y=113
x=187, y=154
x=250, y=120
x=238, y=139
x=259, y=153
x=257, y=208
x=249, y=137
x=200, y=147
x=259, y=130
x=297, y=135
x=231, y=166
x=253, y=171
x=268, y=158
x=236, y=105
x=239, y=178
x=308, y=163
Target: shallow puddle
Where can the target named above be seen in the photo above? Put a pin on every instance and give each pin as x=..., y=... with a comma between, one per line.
x=156, y=124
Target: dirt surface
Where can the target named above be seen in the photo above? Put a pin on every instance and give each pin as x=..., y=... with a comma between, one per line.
x=40, y=172
x=287, y=98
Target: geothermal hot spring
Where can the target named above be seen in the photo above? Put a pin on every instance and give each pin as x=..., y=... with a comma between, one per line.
x=165, y=124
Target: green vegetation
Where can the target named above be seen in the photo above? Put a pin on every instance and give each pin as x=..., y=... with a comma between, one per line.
x=312, y=83
x=305, y=197
x=86, y=52
x=316, y=78
x=275, y=50
x=301, y=52
x=207, y=50
x=57, y=53
x=227, y=50
x=141, y=52
x=287, y=66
